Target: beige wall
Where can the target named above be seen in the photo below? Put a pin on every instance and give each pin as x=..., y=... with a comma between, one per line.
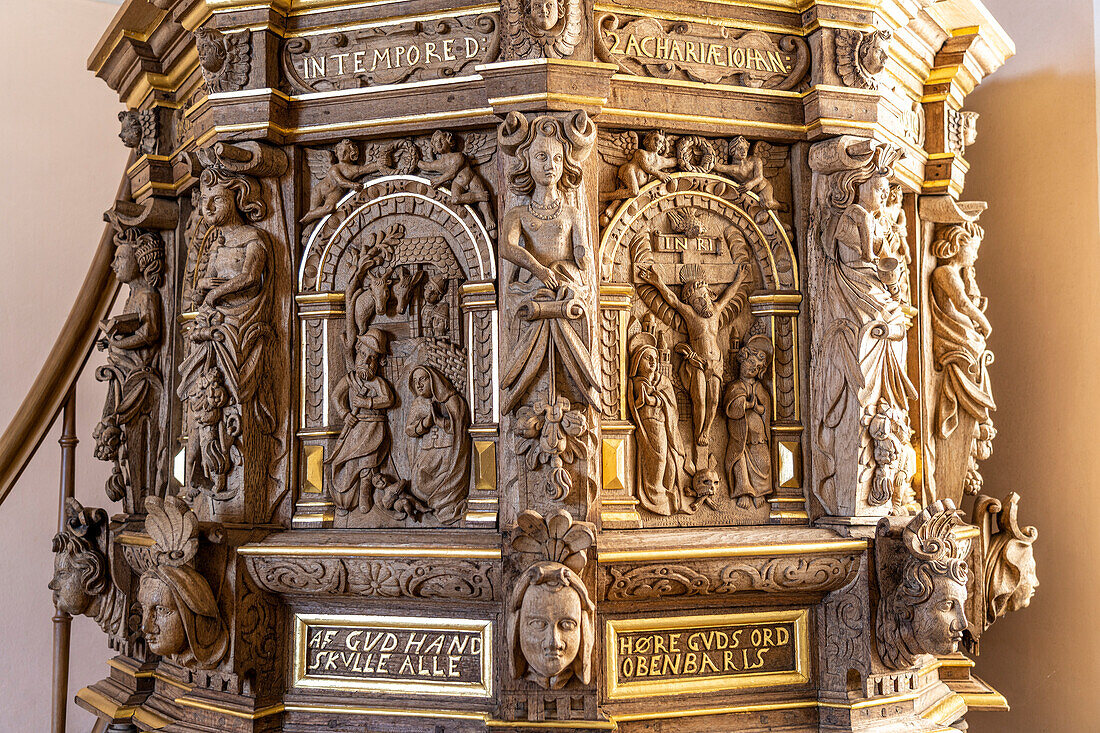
x=1035, y=162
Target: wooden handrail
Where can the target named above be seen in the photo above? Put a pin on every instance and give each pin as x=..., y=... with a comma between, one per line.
x=66, y=361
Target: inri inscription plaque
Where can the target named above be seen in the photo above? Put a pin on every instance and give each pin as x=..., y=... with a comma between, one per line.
x=431, y=656
x=663, y=656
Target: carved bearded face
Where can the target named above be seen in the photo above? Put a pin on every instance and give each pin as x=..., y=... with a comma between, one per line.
x=68, y=586
x=547, y=161
x=939, y=622
x=125, y=264
x=366, y=363
x=218, y=205
x=550, y=628
x=752, y=363
x=161, y=623
x=701, y=301
x=544, y=13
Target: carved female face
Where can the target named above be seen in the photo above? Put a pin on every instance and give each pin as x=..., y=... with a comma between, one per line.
x=873, y=193
x=68, y=586
x=647, y=363
x=939, y=622
x=125, y=264
x=550, y=628
x=218, y=205
x=547, y=161
x=422, y=382
x=544, y=14
x=161, y=623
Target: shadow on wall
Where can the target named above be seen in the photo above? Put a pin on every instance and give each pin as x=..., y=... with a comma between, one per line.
x=1035, y=162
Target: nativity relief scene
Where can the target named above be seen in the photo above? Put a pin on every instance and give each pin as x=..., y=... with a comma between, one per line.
x=544, y=365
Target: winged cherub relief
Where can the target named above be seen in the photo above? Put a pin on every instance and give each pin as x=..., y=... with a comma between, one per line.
x=754, y=170
x=541, y=28
x=226, y=59
x=454, y=164
x=335, y=175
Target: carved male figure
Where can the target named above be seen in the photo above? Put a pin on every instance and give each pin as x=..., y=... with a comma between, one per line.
x=545, y=238
x=748, y=170
x=435, y=313
x=922, y=609
x=82, y=583
x=701, y=316
x=747, y=405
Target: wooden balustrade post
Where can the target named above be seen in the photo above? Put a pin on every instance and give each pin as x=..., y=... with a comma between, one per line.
x=62, y=622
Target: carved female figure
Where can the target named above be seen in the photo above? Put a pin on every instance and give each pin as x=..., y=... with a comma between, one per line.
x=545, y=238
x=82, y=583
x=230, y=333
x=361, y=397
x=128, y=433
x=436, y=424
x=179, y=616
x=654, y=412
x=748, y=411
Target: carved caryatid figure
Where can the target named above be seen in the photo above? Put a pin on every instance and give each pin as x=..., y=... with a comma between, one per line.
x=180, y=617
x=859, y=347
x=128, y=433
x=222, y=377
x=541, y=28
x=922, y=605
x=551, y=617
x=895, y=243
x=1008, y=569
x=82, y=583
x=747, y=405
x=696, y=312
x=653, y=410
x=436, y=426
x=362, y=398
x=545, y=239
x=752, y=171
x=959, y=332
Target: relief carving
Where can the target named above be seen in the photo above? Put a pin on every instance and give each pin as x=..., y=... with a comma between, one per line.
x=140, y=129
x=747, y=405
x=861, y=56
x=754, y=172
x=922, y=585
x=82, y=584
x=860, y=321
x=1009, y=580
x=962, y=130
x=334, y=174
x=225, y=59
x=437, y=426
x=551, y=619
x=180, y=616
x=541, y=28
x=128, y=434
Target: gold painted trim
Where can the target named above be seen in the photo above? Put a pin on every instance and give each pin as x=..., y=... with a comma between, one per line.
x=715, y=683
x=105, y=705
x=481, y=516
x=892, y=700
x=133, y=539
x=340, y=126
x=567, y=724
x=791, y=298
x=472, y=288
x=310, y=298
x=549, y=97
x=984, y=700
x=212, y=708
x=479, y=553
x=521, y=63
x=459, y=12
x=483, y=627
x=702, y=553
x=136, y=674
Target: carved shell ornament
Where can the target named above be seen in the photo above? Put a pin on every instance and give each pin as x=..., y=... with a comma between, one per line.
x=861, y=56
x=541, y=28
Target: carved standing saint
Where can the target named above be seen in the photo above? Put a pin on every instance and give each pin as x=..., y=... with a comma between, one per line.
x=551, y=617
x=128, y=433
x=436, y=425
x=653, y=410
x=222, y=378
x=545, y=238
x=180, y=617
x=922, y=608
x=747, y=405
x=82, y=584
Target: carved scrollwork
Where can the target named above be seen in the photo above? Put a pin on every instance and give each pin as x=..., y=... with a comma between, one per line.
x=767, y=575
x=458, y=580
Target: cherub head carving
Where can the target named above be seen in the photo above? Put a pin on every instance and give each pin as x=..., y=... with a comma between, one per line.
x=739, y=149
x=210, y=45
x=346, y=151
x=921, y=610
x=958, y=244
x=544, y=15
x=548, y=151
x=81, y=572
x=551, y=619
x=179, y=616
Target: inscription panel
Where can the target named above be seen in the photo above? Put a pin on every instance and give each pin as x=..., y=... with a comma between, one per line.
x=665, y=656
x=431, y=656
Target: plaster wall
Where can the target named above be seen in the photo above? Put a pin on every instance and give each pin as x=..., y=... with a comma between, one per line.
x=1035, y=162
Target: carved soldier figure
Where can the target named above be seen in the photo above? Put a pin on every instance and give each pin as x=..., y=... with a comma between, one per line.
x=82, y=583
x=361, y=399
x=545, y=238
x=748, y=410
x=128, y=433
x=701, y=317
x=435, y=313
x=180, y=617
x=660, y=457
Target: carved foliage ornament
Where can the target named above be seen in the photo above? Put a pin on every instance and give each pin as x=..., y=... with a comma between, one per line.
x=551, y=617
x=82, y=582
x=922, y=586
x=541, y=28
x=225, y=59
x=180, y=616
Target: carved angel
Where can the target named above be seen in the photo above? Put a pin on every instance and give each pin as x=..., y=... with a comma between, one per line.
x=453, y=163
x=638, y=162
x=333, y=176
x=541, y=28
x=226, y=59
x=860, y=57
x=753, y=169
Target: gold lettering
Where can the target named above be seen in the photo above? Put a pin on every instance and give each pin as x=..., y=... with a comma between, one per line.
x=397, y=53
x=626, y=645
x=714, y=51
x=379, y=56
x=708, y=662
x=727, y=661
x=382, y=659
x=659, y=645
x=452, y=665
x=436, y=646
x=627, y=668
x=429, y=51
x=642, y=644
x=739, y=58
x=692, y=51
x=357, y=61
x=755, y=638
x=676, y=53
x=352, y=638
x=662, y=48
x=414, y=642
x=691, y=663
x=777, y=62
x=647, y=54
x=632, y=43
x=449, y=50
x=409, y=55
x=782, y=635
x=471, y=47
x=340, y=61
